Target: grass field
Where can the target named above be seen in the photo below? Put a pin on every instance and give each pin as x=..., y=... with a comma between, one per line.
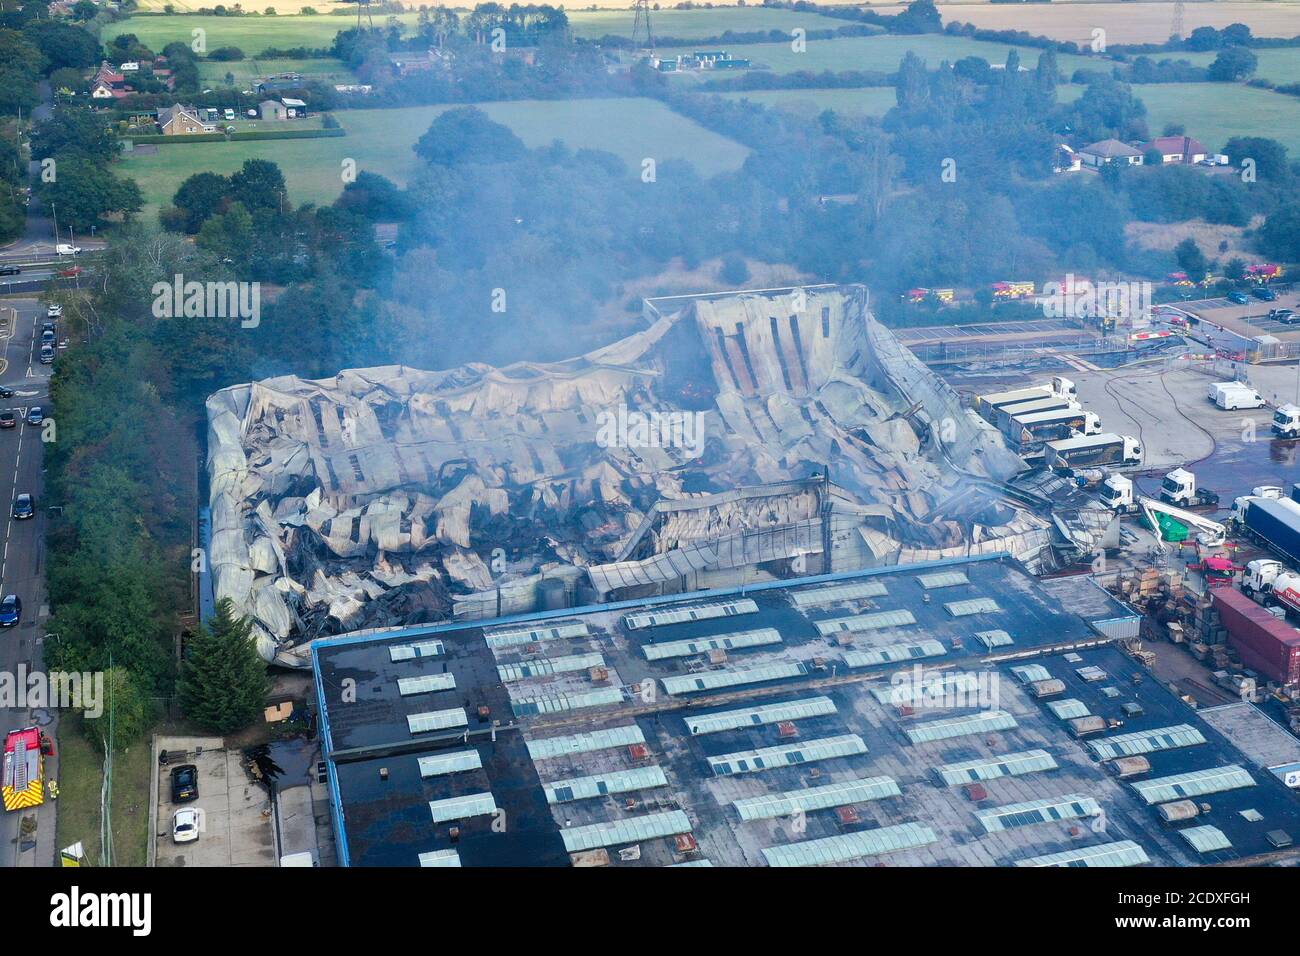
x=328, y=70
x=1278, y=65
x=874, y=101
x=690, y=24
x=80, y=774
x=380, y=141
x=1213, y=112
x=883, y=53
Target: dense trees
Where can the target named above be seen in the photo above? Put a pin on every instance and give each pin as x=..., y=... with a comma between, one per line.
x=223, y=682
x=466, y=135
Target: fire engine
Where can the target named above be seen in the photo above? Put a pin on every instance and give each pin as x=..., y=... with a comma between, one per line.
x=24, y=769
x=1012, y=290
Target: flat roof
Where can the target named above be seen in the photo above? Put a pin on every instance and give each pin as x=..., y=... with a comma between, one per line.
x=639, y=777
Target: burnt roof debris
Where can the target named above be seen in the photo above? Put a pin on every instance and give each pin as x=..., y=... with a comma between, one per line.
x=680, y=457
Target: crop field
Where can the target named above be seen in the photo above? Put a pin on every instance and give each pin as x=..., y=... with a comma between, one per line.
x=250, y=34
x=380, y=141
x=697, y=24
x=326, y=69
x=884, y=53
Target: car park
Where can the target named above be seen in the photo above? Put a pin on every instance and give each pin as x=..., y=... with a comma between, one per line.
x=11, y=610
x=24, y=507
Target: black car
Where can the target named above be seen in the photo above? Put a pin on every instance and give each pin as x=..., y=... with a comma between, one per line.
x=185, y=783
x=1264, y=294
x=24, y=507
x=10, y=271
x=6, y=392
x=1239, y=298
x=11, y=610
x=1285, y=316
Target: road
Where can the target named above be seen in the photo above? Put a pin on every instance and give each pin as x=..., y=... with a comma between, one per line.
x=22, y=551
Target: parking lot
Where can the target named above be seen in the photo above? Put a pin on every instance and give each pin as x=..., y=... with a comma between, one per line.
x=1250, y=319
x=235, y=826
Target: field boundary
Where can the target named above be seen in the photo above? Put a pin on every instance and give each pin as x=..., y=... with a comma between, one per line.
x=156, y=138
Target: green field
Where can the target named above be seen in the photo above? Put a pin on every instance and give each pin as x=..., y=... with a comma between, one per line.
x=697, y=24
x=1213, y=112
x=873, y=101
x=1280, y=65
x=327, y=70
x=380, y=142
x=250, y=34
x=884, y=53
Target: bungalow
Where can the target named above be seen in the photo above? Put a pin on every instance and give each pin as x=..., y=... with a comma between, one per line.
x=181, y=120
x=1177, y=149
x=1109, y=151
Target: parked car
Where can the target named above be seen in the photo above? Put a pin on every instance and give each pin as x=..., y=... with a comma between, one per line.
x=24, y=507
x=10, y=270
x=67, y=249
x=1264, y=293
x=185, y=783
x=47, y=354
x=1285, y=316
x=6, y=392
x=35, y=415
x=1240, y=298
x=54, y=311
x=11, y=610
x=185, y=825
x=7, y=420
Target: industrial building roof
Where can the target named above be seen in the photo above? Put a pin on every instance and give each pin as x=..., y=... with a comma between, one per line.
x=949, y=760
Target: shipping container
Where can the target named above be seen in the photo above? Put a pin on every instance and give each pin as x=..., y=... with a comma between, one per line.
x=1275, y=522
x=1263, y=642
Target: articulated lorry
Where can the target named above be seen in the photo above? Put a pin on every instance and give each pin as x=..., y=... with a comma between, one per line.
x=1091, y=451
x=1053, y=403
x=1274, y=523
x=987, y=405
x=1028, y=433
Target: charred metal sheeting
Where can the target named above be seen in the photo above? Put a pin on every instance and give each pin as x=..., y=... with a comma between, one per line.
x=692, y=453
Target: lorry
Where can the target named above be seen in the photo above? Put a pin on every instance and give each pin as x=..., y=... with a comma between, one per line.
x=1286, y=421
x=1089, y=451
x=1269, y=581
x=1003, y=415
x=1179, y=488
x=1264, y=643
x=1117, y=493
x=1233, y=395
x=987, y=405
x=1259, y=491
x=1028, y=432
x=1274, y=523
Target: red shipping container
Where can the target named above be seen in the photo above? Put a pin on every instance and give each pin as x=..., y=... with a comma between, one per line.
x=1263, y=642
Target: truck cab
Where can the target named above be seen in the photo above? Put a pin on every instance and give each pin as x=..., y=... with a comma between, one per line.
x=1259, y=576
x=1179, y=488
x=1117, y=493
x=1259, y=491
x=1286, y=421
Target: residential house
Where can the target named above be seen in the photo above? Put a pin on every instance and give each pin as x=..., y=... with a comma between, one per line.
x=181, y=120
x=1177, y=149
x=1109, y=151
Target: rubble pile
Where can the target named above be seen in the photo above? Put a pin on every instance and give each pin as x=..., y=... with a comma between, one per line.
x=734, y=431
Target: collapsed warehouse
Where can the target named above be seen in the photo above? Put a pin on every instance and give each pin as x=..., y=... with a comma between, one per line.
x=391, y=496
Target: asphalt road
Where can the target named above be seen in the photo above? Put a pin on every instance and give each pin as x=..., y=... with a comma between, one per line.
x=22, y=550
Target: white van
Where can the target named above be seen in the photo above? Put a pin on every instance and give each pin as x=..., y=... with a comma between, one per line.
x=1233, y=395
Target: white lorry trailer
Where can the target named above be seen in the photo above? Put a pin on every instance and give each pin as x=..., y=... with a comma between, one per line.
x=987, y=405
x=1091, y=451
